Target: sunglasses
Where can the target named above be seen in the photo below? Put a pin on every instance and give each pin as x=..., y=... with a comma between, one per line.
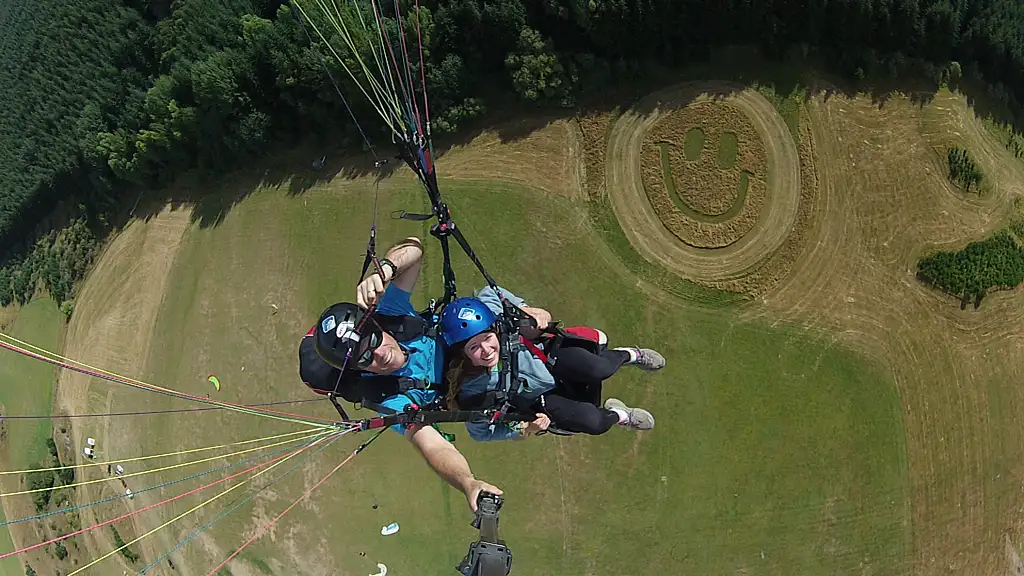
x=368, y=343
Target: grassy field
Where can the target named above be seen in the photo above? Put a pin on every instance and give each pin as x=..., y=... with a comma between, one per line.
x=27, y=389
x=762, y=442
x=845, y=421
x=9, y=566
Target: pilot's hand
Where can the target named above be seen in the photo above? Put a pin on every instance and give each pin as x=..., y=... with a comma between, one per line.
x=369, y=291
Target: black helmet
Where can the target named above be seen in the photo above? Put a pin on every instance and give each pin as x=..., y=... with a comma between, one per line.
x=346, y=337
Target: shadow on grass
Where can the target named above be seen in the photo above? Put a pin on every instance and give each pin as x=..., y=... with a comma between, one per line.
x=212, y=196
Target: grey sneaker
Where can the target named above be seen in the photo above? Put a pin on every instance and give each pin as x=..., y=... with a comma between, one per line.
x=639, y=419
x=646, y=359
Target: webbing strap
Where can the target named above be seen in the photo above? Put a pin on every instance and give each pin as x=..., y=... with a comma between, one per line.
x=534, y=350
x=427, y=417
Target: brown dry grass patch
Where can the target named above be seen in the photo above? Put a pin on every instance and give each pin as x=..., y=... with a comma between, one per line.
x=548, y=159
x=594, y=128
x=702, y=184
x=730, y=251
x=885, y=202
x=781, y=262
x=112, y=328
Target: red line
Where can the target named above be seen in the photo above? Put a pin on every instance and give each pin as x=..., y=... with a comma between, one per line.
x=405, y=54
x=151, y=506
x=423, y=70
x=391, y=50
x=270, y=524
x=150, y=387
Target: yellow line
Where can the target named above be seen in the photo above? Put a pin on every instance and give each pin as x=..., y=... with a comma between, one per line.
x=386, y=75
x=347, y=36
x=377, y=105
x=180, y=516
x=54, y=356
x=375, y=84
x=181, y=465
x=311, y=431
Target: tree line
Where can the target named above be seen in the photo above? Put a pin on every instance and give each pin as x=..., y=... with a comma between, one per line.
x=102, y=98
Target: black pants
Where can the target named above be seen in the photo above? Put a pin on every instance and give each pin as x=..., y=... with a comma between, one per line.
x=575, y=405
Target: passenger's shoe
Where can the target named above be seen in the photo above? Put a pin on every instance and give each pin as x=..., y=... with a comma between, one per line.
x=644, y=358
x=636, y=418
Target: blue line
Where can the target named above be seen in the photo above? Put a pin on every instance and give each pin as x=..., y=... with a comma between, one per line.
x=224, y=514
x=120, y=496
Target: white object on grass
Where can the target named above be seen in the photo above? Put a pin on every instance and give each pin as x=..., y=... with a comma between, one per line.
x=383, y=570
x=389, y=529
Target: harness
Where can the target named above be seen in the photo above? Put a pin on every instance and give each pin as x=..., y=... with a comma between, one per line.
x=552, y=339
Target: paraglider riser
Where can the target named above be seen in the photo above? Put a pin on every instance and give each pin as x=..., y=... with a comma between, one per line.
x=415, y=415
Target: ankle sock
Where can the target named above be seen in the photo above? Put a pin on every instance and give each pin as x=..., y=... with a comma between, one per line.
x=623, y=415
x=634, y=354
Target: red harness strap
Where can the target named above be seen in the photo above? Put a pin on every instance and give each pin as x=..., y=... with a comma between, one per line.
x=578, y=332
x=534, y=350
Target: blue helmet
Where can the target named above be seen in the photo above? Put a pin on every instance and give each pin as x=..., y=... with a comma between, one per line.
x=465, y=318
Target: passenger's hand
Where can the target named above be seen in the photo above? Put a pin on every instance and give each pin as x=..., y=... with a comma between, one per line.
x=541, y=423
x=543, y=317
x=369, y=291
x=474, y=489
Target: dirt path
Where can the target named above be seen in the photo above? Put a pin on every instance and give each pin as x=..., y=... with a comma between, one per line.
x=641, y=223
x=111, y=329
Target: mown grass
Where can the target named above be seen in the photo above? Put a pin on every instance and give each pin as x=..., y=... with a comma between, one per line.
x=259, y=563
x=728, y=150
x=26, y=387
x=767, y=440
x=693, y=144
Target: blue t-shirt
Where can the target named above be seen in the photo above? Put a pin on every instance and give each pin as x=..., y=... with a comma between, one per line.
x=424, y=356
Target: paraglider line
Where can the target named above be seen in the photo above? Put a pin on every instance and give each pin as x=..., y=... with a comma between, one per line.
x=279, y=461
x=391, y=51
x=408, y=69
x=67, y=363
x=310, y=434
x=157, y=487
x=423, y=82
x=339, y=27
x=335, y=84
x=270, y=524
x=155, y=470
x=149, y=412
x=150, y=507
x=226, y=513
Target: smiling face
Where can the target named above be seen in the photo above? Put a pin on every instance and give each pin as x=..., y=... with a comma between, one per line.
x=387, y=357
x=482, y=349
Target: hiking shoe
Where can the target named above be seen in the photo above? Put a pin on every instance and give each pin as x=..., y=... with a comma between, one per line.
x=644, y=358
x=637, y=418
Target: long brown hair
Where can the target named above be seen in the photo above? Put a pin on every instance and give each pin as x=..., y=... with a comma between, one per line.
x=460, y=369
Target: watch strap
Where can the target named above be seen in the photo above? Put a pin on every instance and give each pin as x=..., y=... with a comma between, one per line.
x=394, y=269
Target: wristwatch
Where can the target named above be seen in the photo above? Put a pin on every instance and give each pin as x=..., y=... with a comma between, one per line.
x=394, y=269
